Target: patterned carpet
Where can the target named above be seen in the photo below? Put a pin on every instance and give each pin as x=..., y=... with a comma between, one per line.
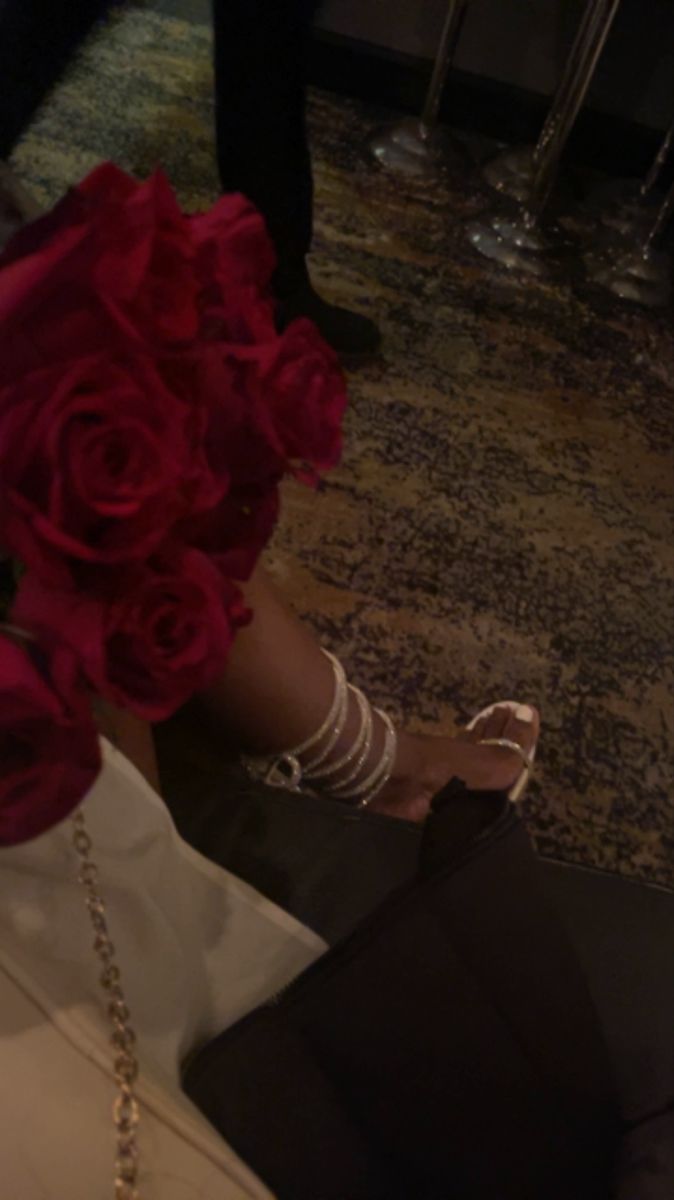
x=502, y=521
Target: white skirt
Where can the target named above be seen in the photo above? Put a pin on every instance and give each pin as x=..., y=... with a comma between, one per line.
x=197, y=949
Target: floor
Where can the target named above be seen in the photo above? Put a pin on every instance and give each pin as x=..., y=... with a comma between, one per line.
x=501, y=524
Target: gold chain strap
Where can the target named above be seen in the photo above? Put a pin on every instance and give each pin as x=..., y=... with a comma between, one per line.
x=125, y=1108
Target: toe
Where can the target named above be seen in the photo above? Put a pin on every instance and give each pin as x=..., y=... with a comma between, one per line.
x=475, y=733
x=517, y=723
x=490, y=726
x=523, y=727
x=498, y=722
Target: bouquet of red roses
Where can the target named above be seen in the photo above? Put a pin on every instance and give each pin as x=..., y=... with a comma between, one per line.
x=148, y=412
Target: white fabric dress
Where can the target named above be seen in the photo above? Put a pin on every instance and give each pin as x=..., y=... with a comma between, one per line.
x=197, y=948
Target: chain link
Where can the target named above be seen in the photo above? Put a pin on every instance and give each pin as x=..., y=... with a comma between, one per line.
x=125, y=1108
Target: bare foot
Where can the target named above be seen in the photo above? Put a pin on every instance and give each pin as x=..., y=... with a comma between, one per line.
x=425, y=764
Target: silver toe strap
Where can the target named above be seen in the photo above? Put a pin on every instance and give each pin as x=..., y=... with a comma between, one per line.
x=508, y=744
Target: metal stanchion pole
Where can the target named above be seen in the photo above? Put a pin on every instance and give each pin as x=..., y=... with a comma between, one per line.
x=641, y=270
x=547, y=159
x=511, y=171
x=653, y=174
x=661, y=221
x=517, y=241
x=414, y=146
x=620, y=209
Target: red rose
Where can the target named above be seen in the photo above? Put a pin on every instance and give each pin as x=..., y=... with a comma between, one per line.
x=215, y=409
x=236, y=531
x=233, y=246
x=231, y=523
x=302, y=398
x=112, y=262
x=144, y=257
x=162, y=634
x=92, y=460
x=49, y=751
x=235, y=260
x=242, y=316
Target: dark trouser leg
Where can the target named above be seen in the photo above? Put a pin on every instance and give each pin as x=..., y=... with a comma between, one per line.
x=260, y=57
x=260, y=53
x=36, y=39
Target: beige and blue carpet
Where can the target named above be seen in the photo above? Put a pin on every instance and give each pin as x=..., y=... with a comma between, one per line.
x=501, y=524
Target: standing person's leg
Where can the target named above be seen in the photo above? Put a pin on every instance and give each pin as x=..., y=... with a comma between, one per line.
x=37, y=38
x=261, y=135
x=260, y=93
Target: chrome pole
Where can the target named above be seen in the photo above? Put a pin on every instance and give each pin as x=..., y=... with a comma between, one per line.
x=584, y=36
x=442, y=62
x=620, y=210
x=635, y=266
x=661, y=221
x=653, y=174
x=415, y=145
x=513, y=171
x=529, y=174
x=547, y=160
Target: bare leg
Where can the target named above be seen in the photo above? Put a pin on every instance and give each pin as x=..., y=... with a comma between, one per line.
x=132, y=736
x=277, y=689
x=277, y=686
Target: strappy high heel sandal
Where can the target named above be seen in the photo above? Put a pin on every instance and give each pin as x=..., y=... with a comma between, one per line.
x=519, y=787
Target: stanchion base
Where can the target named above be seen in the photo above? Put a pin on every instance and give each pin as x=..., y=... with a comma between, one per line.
x=512, y=242
x=411, y=148
x=620, y=205
x=633, y=275
x=511, y=172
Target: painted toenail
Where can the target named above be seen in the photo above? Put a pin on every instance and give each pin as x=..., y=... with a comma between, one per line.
x=524, y=714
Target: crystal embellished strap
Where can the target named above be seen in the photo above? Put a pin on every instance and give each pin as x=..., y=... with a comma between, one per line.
x=125, y=1108
x=340, y=776
x=360, y=748
x=337, y=704
x=509, y=744
x=311, y=765
x=387, y=762
x=367, y=788
x=285, y=770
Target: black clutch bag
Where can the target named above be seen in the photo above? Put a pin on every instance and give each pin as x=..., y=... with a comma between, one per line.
x=447, y=1048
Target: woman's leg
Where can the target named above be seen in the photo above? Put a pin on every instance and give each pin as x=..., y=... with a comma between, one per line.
x=261, y=49
x=130, y=735
x=277, y=689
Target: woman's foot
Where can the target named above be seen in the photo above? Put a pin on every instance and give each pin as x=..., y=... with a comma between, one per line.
x=352, y=335
x=425, y=764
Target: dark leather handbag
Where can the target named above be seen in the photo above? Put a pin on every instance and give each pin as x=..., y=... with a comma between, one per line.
x=447, y=1048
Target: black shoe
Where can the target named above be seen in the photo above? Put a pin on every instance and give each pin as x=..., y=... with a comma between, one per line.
x=352, y=335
